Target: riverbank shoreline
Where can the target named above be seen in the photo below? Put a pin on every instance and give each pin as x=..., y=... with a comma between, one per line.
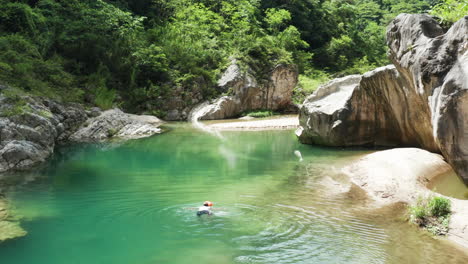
x=273, y=123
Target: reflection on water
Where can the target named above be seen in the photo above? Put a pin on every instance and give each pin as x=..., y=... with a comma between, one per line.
x=131, y=204
x=450, y=184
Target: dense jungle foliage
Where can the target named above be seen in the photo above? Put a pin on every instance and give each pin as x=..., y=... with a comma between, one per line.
x=127, y=52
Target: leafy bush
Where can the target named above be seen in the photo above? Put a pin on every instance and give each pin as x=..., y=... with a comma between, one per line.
x=450, y=10
x=308, y=83
x=439, y=206
x=104, y=98
x=418, y=211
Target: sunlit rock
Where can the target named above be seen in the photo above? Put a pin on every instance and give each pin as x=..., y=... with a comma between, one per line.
x=117, y=124
x=422, y=101
x=247, y=93
x=402, y=176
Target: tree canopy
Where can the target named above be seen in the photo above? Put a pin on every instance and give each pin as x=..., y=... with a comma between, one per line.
x=128, y=52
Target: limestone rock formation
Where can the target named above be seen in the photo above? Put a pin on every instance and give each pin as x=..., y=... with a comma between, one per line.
x=248, y=93
x=435, y=66
x=116, y=124
x=421, y=101
x=30, y=127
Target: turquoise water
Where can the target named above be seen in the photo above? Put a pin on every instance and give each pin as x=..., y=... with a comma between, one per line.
x=132, y=203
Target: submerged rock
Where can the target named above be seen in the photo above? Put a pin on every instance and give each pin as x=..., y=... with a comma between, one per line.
x=8, y=229
x=117, y=124
x=248, y=93
x=421, y=101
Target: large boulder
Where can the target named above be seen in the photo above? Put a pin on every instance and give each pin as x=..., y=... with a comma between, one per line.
x=30, y=127
x=373, y=109
x=421, y=101
x=116, y=124
x=247, y=93
x=434, y=66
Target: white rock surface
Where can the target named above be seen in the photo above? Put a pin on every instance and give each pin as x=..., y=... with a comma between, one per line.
x=116, y=124
x=401, y=175
x=249, y=94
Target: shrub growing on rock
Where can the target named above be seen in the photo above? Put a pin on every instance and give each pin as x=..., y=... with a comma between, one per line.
x=431, y=213
x=439, y=206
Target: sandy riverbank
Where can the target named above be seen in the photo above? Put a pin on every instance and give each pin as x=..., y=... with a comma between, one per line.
x=273, y=123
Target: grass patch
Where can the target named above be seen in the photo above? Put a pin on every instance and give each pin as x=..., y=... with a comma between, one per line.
x=431, y=213
x=19, y=106
x=45, y=113
x=259, y=114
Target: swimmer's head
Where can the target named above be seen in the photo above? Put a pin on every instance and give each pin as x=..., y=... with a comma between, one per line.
x=208, y=203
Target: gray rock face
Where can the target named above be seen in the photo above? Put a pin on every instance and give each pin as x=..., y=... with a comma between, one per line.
x=248, y=93
x=29, y=129
x=362, y=110
x=435, y=66
x=421, y=101
x=117, y=124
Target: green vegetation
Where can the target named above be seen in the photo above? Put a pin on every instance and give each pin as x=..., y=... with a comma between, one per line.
x=111, y=132
x=259, y=114
x=308, y=83
x=139, y=53
x=449, y=11
x=432, y=213
x=19, y=106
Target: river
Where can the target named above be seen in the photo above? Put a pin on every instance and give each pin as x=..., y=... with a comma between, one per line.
x=133, y=203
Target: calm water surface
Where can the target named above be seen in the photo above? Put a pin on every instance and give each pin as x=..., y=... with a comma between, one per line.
x=450, y=184
x=132, y=203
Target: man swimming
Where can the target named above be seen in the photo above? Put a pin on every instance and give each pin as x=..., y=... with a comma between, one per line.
x=205, y=209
